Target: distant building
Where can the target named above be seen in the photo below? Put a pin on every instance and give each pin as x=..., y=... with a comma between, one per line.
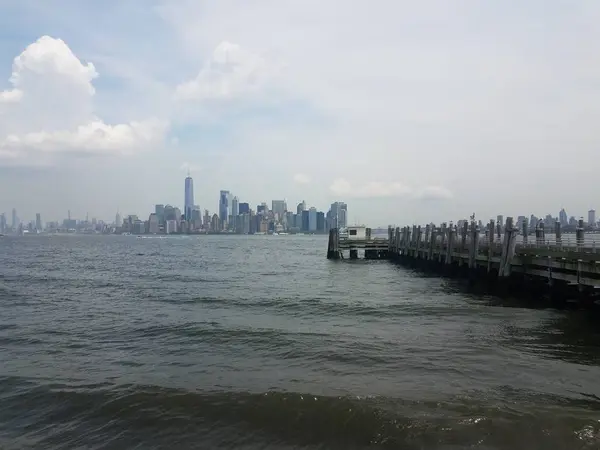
x=244, y=208
x=224, y=207
x=153, y=224
x=188, y=206
x=320, y=221
x=592, y=218
x=171, y=226
x=38, y=222
x=215, y=223
x=301, y=207
x=279, y=207
x=235, y=207
x=312, y=220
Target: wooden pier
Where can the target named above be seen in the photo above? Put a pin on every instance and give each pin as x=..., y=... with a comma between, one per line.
x=560, y=264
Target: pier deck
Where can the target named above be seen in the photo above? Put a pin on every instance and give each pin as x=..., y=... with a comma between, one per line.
x=561, y=262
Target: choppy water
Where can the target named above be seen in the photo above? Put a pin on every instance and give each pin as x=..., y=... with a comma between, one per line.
x=260, y=342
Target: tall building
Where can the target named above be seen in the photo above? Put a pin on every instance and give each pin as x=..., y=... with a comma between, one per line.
x=235, y=207
x=592, y=218
x=189, y=198
x=2, y=223
x=159, y=210
x=223, y=206
x=118, y=221
x=244, y=208
x=301, y=207
x=337, y=215
x=38, y=222
x=279, y=207
x=312, y=219
x=563, y=218
x=15, y=220
x=320, y=221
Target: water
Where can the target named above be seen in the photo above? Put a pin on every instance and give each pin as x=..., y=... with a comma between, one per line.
x=110, y=342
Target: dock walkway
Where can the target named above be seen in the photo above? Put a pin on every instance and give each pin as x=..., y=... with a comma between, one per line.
x=563, y=261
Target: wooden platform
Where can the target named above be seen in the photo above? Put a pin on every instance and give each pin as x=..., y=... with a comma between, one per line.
x=573, y=259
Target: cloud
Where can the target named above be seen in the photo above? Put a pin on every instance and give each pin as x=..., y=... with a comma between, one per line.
x=301, y=178
x=373, y=189
x=92, y=138
x=231, y=72
x=379, y=189
x=435, y=193
x=50, y=110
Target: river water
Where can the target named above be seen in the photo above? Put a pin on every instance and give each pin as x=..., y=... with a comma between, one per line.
x=116, y=342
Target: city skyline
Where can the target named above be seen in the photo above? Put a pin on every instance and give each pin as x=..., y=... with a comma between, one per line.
x=277, y=217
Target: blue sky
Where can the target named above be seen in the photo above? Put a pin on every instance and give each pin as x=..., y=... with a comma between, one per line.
x=408, y=111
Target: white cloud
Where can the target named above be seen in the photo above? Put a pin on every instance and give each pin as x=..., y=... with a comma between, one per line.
x=231, y=72
x=11, y=96
x=379, y=189
x=301, y=178
x=94, y=137
x=373, y=189
x=435, y=193
x=49, y=110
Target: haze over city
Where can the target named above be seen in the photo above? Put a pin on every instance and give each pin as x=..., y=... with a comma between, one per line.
x=409, y=112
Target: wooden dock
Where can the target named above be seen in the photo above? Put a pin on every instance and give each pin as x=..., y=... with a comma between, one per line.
x=568, y=263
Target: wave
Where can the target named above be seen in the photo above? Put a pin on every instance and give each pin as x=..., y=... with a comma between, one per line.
x=94, y=414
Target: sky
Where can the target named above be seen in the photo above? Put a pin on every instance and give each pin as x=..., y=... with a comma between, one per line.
x=410, y=112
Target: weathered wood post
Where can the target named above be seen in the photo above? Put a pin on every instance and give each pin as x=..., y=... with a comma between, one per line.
x=539, y=233
x=427, y=236
x=490, y=246
x=499, y=230
x=390, y=240
x=508, y=248
x=413, y=241
x=443, y=239
x=557, y=233
x=474, y=247
x=397, y=241
x=579, y=234
x=432, y=242
x=464, y=232
x=450, y=247
x=418, y=244
x=406, y=240
x=333, y=251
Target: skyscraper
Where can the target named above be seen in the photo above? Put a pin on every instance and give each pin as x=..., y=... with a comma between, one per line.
x=38, y=222
x=235, y=207
x=592, y=218
x=224, y=206
x=189, y=198
x=279, y=207
x=312, y=219
x=14, y=219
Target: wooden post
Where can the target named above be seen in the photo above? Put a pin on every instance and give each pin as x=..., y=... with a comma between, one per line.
x=508, y=248
x=450, y=247
x=474, y=248
x=390, y=239
x=427, y=236
x=557, y=232
x=464, y=232
x=443, y=238
x=579, y=234
x=397, y=241
x=418, y=243
x=432, y=242
x=333, y=251
x=406, y=240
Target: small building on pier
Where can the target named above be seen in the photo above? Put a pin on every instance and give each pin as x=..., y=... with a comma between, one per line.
x=356, y=233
